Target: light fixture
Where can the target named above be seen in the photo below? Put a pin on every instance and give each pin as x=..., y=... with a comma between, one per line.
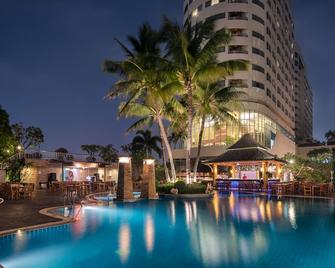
x=19, y=147
x=124, y=160
x=291, y=161
x=148, y=161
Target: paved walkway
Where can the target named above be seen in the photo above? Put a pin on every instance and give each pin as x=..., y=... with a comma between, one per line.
x=21, y=213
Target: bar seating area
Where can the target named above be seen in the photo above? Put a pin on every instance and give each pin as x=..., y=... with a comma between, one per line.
x=16, y=191
x=81, y=188
x=302, y=189
x=20, y=191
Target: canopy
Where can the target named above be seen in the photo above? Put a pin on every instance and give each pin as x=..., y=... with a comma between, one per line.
x=245, y=150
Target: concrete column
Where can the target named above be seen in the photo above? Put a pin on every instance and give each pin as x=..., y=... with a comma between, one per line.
x=124, y=182
x=215, y=173
x=278, y=171
x=265, y=175
x=233, y=171
x=149, y=179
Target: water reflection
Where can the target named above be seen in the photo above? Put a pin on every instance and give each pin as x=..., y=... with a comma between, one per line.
x=172, y=212
x=243, y=230
x=20, y=240
x=149, y=233
x=124, y=242
x=190, y=212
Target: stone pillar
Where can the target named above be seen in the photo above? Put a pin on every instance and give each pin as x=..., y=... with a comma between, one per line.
x=149, y=179
x=2, y=176
x=124, y=182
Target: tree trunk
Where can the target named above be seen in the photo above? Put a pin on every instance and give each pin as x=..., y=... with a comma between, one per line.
x=189, y=131
x=168, y=148
x=197, y=160
x=167, y=174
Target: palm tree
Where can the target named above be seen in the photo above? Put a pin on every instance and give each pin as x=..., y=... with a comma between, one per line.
x=145, y=85
x=213, y=102
x=108, y=153
x=148, y=143
x=329, y=135
x=192, y=54
x=92, y=150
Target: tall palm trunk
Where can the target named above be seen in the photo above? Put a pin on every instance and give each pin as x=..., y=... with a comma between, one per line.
x=197, y=160
x=189, y=89
x=166, y=170
x=168, y=148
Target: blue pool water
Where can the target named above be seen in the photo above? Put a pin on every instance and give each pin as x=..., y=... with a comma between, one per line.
x=227, y=231
x=111, y=197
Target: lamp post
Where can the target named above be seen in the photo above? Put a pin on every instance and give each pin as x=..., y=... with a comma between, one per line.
x=149, y=179
x=125, y=182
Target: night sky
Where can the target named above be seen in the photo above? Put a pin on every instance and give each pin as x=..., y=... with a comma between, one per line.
x=51, y=53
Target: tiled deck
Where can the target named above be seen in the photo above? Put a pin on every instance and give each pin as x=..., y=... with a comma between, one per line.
x=22, y=213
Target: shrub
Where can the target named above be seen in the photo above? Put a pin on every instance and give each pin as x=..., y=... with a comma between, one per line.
x=180, y=185
x=165, y=188
x=195, y=188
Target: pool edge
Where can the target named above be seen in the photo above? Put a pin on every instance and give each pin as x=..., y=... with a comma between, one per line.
x=45, y=211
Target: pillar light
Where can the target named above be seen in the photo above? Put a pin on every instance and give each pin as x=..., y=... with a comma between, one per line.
x=124, y=160
x=148, y=161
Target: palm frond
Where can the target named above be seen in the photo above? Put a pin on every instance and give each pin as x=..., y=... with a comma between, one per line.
x=124, y=48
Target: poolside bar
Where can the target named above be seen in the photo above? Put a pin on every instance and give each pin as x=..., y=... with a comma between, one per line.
x=246, y=161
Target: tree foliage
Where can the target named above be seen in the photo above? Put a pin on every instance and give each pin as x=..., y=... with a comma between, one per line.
x=148, y=143
x=7, y=141
x=308, y=169
x=28, y=137
x=108, y=153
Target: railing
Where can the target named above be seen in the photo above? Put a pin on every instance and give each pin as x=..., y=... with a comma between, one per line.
x=44, y=155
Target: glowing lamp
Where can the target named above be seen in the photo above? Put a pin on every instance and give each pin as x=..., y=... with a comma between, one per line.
x=148, y=161
x=124, y=160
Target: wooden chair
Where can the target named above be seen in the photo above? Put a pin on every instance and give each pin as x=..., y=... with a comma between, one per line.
x=28, y=190
x=307, y=189
x=289, y=188
x=14, y=191
x=325, y=189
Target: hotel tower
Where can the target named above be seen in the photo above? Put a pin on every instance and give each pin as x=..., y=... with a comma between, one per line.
x=277, y=111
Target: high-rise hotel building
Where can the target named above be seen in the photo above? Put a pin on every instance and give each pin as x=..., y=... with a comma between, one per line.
x=263, y=34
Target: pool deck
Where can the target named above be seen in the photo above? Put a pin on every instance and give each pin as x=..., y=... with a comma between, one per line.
x=23, y=213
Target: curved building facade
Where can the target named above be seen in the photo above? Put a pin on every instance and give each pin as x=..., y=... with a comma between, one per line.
x=263, y=34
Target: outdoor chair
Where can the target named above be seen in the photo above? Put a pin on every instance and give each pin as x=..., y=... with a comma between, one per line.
x=84, y=189
x=325, y=189
x=307, y=189
x=289, y=188
x=28, y=190
x=14, y=191
x=316, y=189
x=55, y=186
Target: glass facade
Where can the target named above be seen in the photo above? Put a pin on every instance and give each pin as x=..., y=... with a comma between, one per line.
x=261, y=127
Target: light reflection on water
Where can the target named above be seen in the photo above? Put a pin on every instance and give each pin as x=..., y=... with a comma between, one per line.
x=226, y=231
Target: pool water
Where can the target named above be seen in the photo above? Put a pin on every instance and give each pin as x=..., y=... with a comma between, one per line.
x=111, y=197
x=226, y=231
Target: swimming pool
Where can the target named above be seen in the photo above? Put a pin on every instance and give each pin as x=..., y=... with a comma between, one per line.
x=106, y=197
x=226, y=231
